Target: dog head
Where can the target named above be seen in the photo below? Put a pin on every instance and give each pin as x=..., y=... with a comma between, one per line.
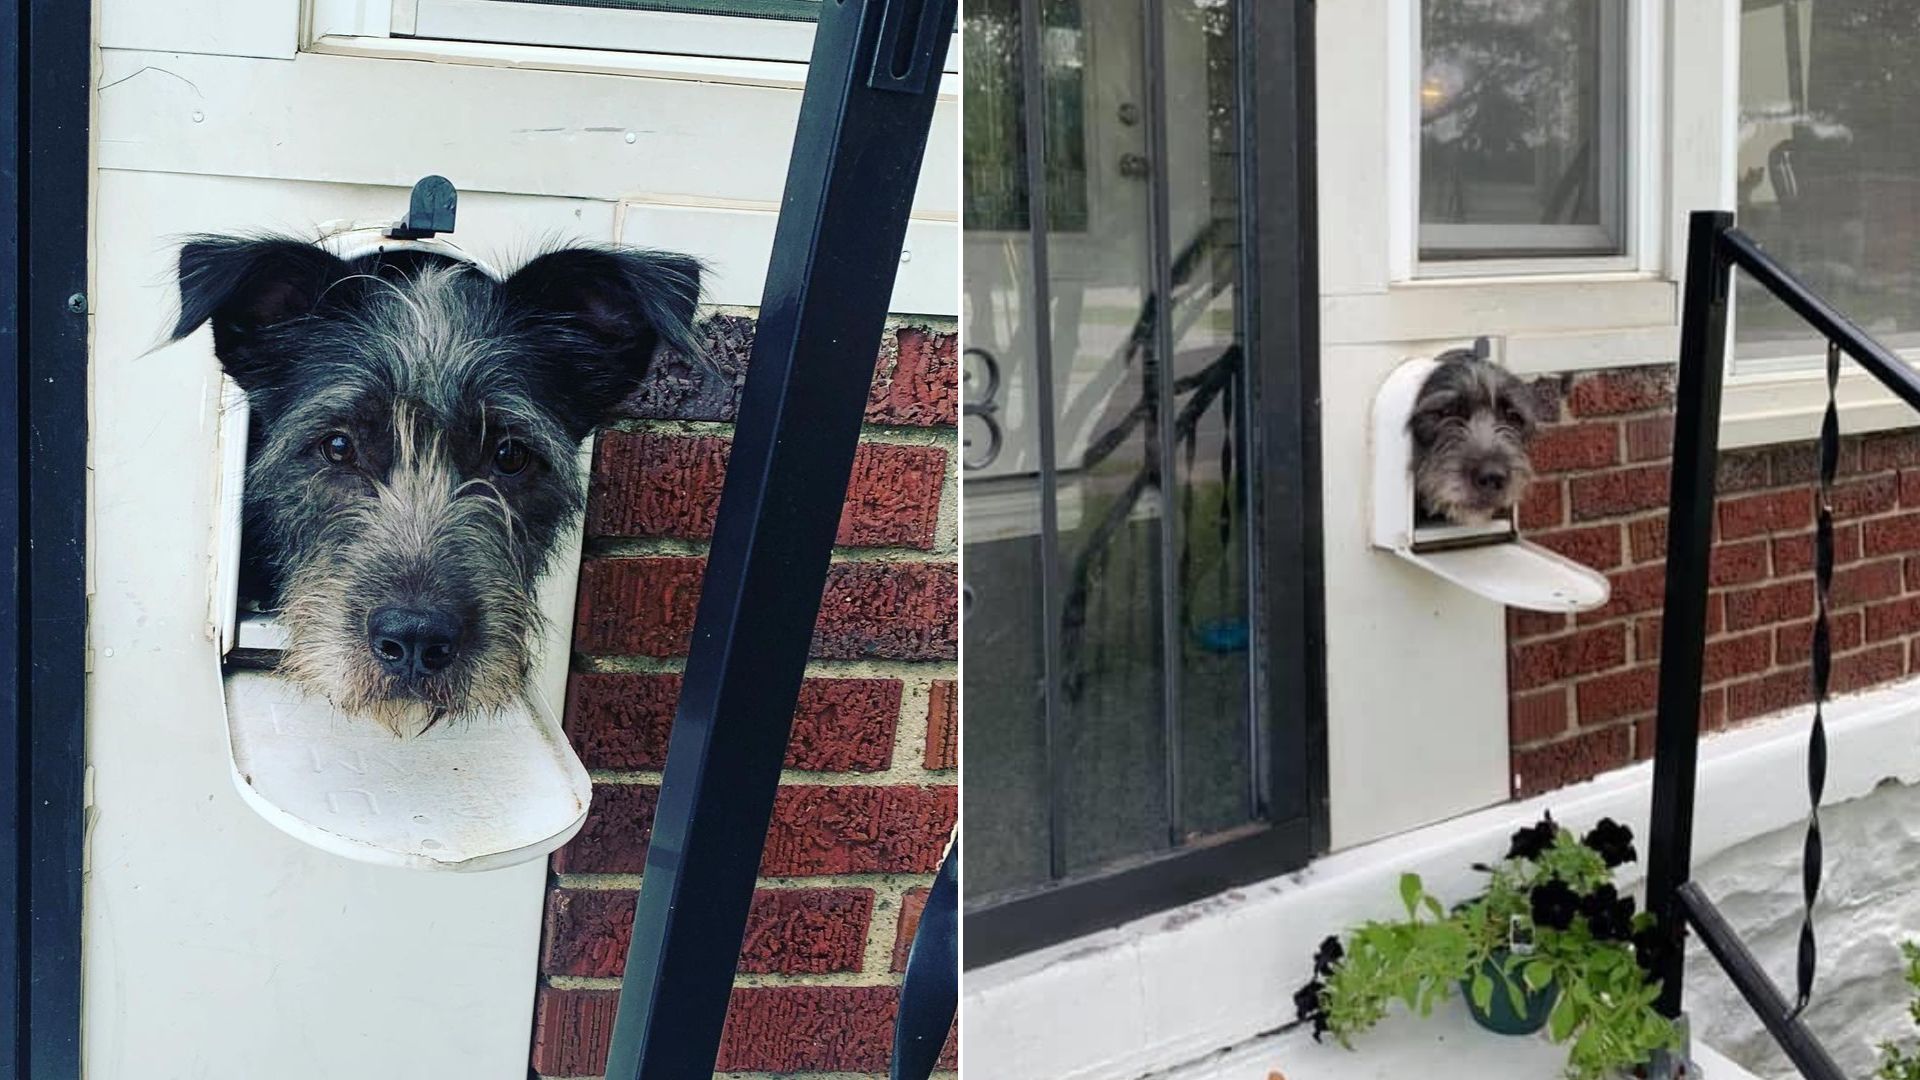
x=1470, y=427
x=412, y=457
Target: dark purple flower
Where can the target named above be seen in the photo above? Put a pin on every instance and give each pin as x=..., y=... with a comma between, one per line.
x=1612, y=841
x=1651, y=948
x=1329, y=954
x=1554, y=905
x=1534, y=840
x=1609, y=915
x=1309, y=1007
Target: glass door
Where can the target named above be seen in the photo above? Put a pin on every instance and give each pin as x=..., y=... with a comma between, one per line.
x=1119, y=708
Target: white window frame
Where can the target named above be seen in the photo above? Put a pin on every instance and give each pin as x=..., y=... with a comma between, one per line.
x=1639, y=126
x=609, y=29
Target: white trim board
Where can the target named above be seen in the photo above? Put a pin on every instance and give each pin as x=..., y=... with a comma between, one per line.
x=1183, y=984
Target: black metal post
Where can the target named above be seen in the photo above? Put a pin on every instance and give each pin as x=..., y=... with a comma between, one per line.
x=864, y=118
x=930, y=989
x=1696, y=444
x=45, y=64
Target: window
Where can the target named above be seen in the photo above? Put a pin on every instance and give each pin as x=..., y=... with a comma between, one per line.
x=1828, y=174
x=1522, y=108
x=744, y=29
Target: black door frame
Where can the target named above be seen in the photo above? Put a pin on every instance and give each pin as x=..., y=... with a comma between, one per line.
x=1279, y=274
x=45, y=60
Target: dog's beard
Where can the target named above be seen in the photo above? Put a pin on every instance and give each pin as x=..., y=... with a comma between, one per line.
x=458, y=537
x=1443, y=481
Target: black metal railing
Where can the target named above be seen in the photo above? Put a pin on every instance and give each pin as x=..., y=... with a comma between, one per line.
x=1715, y=250
x=864, y=120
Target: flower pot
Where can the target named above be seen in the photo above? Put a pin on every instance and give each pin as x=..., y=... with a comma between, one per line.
x=1498, y=1016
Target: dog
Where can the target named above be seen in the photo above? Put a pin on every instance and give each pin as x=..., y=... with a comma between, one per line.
x=1471, y=424
x=415, y=424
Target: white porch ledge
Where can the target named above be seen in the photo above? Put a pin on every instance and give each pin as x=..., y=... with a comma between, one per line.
x=1179, y=987
x=1446, y=1044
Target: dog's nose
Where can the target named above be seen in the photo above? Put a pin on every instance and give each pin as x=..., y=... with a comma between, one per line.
x=408, y=641
x=1490, y=479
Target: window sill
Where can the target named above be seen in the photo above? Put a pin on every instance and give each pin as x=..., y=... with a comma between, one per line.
x=1437, y=309
x=784, y=75
x=1771, y=409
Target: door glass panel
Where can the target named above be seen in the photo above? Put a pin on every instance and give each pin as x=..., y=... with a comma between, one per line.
x=1202, y=178
x=1107, y=637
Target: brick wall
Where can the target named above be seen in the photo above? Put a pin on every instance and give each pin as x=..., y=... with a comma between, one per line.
x=1583, y=687
x=868, y=798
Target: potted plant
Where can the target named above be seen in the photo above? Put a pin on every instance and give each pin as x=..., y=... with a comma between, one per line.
x=1898, y=1062
x=1549, y=942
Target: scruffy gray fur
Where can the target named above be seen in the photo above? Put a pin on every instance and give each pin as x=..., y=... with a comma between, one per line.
x=1470, y=428
x=411, y=461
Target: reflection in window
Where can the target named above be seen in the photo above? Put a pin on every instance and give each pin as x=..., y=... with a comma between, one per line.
x=1829, y=164
x=1522, y=116
x=994, y=150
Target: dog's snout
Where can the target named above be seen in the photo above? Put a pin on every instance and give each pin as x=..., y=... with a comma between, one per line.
x=412, y=642
x=1491, y=479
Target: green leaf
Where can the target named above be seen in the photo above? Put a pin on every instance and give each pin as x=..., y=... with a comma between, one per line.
x=1538, y=974
x=1515, y=995
x=1410, y=892
x=1563, y=1019
x=1433, y=905
x=1482, y=990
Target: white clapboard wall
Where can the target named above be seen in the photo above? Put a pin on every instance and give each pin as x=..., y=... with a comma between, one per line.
x=217, y=948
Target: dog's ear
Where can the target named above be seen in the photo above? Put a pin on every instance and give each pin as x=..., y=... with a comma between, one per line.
x=611, y=307
x=245, y=285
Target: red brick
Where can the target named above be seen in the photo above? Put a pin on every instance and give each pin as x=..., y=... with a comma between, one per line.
x=1912, y=563
x=1794, y=554
x=1794, y=644
x=1737, y=564
x=1649, y=438
x=887, y=610
x=778, y=1029
x=1545, y=505
x=1910, y=488
x=1537, y=717
x=1741, y=470
x=1647, y=630
x=1713, y=709
x=1793, y=463
x=1576, y=446
x=1627, y=390
x=790, y=1029
x=917, y=381
x=1642, y=588
x=1523, y=624
x=1896, y=618
x=1866, y=583
x=572, y=1030
x=1612, y=696
x=1864, y=498
x=1596, y=546
x=911, y=905
x=943, y=726
x=659, y=485
x=1571, y=760
x=1885, y=450
x=789, y=931
x=1647, y=538
x=1774, y=603
x=1897, y=535
x=1770, y=512
x=1860, y=670
x=839, y=725
x=816, y=829
x=1728, y=658
x=1582, y=652
x=1620, y=491
x=1769, y=694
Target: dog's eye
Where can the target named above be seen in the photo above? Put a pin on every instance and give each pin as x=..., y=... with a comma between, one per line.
x=1513, y=416
x=337, y=448
x=511, y=457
